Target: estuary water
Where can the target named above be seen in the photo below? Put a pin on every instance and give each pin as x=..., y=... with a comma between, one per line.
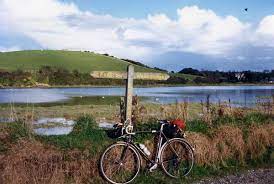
x=238, y=95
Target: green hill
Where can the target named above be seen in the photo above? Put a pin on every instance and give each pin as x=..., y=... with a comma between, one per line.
x=185, y=76
x=71, y=60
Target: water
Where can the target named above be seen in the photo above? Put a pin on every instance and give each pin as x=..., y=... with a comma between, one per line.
x=60, y=126
x=56, y=126
x=239, y=95
x=61, y=121
x=53, y=130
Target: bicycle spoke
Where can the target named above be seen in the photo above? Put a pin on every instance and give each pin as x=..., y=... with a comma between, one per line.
x=120, y=164
x=176, y=159
x=115, y=171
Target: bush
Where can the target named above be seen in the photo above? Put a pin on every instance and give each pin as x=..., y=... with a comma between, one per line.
x=18, y=130
x=84, y=125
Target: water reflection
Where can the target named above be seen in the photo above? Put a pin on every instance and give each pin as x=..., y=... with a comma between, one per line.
x=53, y=131
x=59, y=126
x=62, y=121
x=239, y=95
x=31, y=95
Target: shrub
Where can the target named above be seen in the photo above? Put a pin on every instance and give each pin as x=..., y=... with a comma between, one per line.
x=84, y=125
x=19, y=130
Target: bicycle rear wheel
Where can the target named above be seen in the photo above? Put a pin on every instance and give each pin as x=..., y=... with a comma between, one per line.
x=120, y=163
x=177, y=158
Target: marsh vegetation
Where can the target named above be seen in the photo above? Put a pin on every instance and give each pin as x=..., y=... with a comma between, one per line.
x=226, y=140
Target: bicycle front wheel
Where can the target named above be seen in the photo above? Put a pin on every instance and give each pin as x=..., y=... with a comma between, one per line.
x=177, y=158
x=120, y=163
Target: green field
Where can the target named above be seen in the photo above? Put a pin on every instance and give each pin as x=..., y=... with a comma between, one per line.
x=185, y=76
x=71, y=60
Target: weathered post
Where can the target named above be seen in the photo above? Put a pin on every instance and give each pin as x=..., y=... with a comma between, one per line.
x=129, y=93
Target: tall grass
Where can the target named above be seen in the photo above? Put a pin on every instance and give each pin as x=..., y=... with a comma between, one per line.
x=176, y=111
x=73, y=158
x=223, y=137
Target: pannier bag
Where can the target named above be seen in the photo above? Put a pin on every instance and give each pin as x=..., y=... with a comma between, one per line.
x=115, y=132
x=174, y=128
x=179, y=123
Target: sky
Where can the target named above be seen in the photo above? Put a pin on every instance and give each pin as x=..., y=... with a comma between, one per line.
x=171, y=34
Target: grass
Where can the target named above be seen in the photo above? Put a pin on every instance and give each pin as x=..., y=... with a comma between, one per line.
x=74, y=157
x=185, y=76
x=85, y=136
x=101, y=108
x=248, y=119
x=231, y=141
x=84, y=62
x=107, y=108
x=198, y=126
x=85, y=100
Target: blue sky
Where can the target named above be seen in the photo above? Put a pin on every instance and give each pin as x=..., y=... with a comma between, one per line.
x=172, y=34
x=141, y=8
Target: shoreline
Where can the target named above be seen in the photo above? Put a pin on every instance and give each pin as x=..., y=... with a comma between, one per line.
x=136, y=86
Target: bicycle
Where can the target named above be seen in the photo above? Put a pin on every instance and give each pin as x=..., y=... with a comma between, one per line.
x=120, y=163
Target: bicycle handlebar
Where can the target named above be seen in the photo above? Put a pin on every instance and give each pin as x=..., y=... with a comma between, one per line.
x=129, y=128
x=140, y=132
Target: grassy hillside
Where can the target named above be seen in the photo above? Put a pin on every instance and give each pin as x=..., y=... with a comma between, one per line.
x=71, y=60
x=185, y=76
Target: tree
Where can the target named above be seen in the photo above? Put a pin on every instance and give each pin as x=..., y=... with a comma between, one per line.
x=191, y=71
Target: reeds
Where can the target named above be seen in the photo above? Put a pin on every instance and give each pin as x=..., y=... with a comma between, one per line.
x=26, y=118
x=266, y=105
x=176, y=111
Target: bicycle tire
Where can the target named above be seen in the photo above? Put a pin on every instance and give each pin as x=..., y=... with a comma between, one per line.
x=135, y=157
x=168, y=148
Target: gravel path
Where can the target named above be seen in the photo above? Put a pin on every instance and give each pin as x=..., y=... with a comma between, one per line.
x=260, y=176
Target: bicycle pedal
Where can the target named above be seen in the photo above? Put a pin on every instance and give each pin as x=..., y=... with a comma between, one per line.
x=152, y=168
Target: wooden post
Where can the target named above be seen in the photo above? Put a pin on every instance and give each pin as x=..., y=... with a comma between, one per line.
x=129, y=93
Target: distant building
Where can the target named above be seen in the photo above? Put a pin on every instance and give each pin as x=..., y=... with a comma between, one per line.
x=267, y=71
x=240, y=76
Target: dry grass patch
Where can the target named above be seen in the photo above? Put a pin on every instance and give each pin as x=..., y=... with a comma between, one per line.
x=229, y=142
x=4, y=135
x=270, y=130
x=260, y=138
x=31, y=162
x=205, y=152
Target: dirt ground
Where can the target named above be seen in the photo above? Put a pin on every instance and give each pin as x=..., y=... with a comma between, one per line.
x=260, y=176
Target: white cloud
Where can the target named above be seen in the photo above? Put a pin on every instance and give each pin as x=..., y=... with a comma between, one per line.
x=60, y=25
x=240, y=58
x=266, y=26
x=264, y=35
x=265, y=58
x=209, y=33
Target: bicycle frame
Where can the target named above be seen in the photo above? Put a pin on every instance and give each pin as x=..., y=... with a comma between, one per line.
x=161, y=136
